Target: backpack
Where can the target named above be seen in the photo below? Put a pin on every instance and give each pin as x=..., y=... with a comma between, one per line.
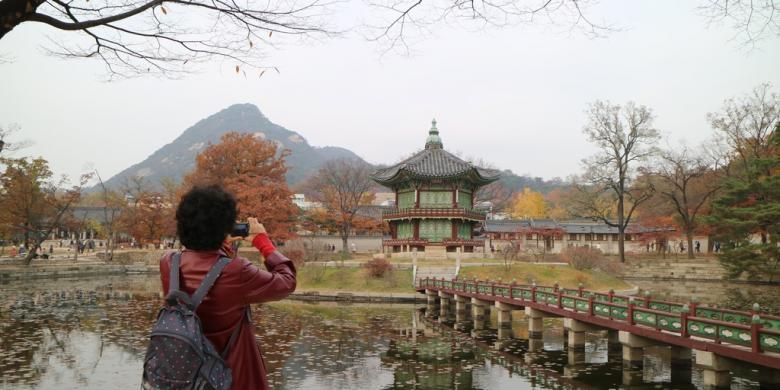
x=179, y=355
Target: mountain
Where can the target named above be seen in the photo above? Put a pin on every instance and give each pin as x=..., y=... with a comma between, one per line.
x=178, y=157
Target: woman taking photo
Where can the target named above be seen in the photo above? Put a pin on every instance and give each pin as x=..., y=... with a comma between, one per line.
x=204, y=220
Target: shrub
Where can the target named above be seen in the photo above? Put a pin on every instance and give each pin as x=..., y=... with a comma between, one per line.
x=295, y=250
x=378, y=268
x=582, y=258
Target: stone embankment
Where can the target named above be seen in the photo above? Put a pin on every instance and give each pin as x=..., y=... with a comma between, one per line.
x=357, y=297
x=708, y=269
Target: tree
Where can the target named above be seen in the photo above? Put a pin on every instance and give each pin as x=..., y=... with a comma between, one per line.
x=745, y=125
x=170, y=36
x=147, y=215
x=558, y=202
x=6, y=134
x=33, y=205
x=112, y=203
x=166, y=36
x=254, y=171
x=753, y=20
x=686, y=181
x=343, y=186
x=746, y=217
x=625, y=137
x=529, y=204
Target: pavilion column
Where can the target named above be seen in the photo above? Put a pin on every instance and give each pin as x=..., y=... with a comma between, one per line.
x=454, y=225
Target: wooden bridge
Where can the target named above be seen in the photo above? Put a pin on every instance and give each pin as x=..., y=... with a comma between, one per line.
x=720, y=339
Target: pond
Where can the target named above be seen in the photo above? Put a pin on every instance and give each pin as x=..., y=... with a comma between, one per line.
x=92, y=334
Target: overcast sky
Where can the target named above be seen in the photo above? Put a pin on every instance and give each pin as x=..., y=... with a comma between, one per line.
x=513, y=96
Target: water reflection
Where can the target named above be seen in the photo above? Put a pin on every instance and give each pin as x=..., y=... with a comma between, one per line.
x=92, y=334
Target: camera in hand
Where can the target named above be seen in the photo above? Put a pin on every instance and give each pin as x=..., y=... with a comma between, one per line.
x=240, y=229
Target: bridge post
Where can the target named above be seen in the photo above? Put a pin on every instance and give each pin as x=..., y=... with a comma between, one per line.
x=462, y=313
x=504, y=320
x=681, y=362
x=613, y=341
x=445, y=307
x=633, y=349
x=480, y=308
x=576, y=333
x=715, y=370
x=432, y=307
x=535, y=328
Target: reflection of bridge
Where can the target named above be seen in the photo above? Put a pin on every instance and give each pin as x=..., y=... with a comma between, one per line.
x=720, y=338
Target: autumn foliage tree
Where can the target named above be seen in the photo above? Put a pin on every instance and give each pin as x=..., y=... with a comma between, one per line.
x=529, y=204
x=254, y=171
x=32, y=203
x=148, y=215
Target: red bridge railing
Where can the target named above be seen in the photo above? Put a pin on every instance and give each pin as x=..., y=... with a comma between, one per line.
x=758, y=331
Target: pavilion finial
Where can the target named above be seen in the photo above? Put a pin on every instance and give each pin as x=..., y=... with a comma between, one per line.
x=433, y=141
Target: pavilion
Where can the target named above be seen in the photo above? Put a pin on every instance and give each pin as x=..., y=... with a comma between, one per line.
x=434, y=197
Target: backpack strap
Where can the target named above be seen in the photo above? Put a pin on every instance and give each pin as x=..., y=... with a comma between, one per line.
x=174, y=293
x=209, y=280
x=234, y=335
x=174, y=279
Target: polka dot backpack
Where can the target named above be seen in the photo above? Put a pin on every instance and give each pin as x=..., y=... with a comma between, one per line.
x=179, y=355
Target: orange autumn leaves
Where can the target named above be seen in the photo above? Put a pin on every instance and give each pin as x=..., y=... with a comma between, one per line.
x=254, y=171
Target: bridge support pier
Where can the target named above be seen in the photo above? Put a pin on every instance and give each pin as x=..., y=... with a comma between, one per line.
x=463, y=321
x=481, y=310
x=576, y=333
x=432, y=307
x=613, y=341
x=715, y=370
x=535, y=329
x=681, y=362
x=504, y=320
x=633, y=349
x=445, y=308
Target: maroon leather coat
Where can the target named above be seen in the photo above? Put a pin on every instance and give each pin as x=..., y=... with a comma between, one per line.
x=224, y=308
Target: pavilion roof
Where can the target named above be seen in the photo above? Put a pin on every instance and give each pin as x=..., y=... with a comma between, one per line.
x=434, y=162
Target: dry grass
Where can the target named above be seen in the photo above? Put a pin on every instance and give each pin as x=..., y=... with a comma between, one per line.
x=546, y=275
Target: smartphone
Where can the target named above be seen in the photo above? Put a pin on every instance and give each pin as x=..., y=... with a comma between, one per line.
x=240, y=229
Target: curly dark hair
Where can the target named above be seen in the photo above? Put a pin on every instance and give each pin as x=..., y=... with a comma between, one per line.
x=205, y=216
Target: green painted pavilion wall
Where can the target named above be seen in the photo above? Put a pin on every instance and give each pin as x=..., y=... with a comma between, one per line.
x=406, y=199
x=435, y=229
x=405, y=230
x=464, y=199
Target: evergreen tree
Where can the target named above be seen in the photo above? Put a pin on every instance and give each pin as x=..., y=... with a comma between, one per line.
x=746, y=217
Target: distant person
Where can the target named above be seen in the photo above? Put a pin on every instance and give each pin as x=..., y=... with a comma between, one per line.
x=204, y=220
x=682, y=247
x=717, y=246
x=698, y=247
x=354, y=248
x=51, y=249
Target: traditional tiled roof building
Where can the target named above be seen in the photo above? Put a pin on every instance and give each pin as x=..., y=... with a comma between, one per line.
x=434, y=193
